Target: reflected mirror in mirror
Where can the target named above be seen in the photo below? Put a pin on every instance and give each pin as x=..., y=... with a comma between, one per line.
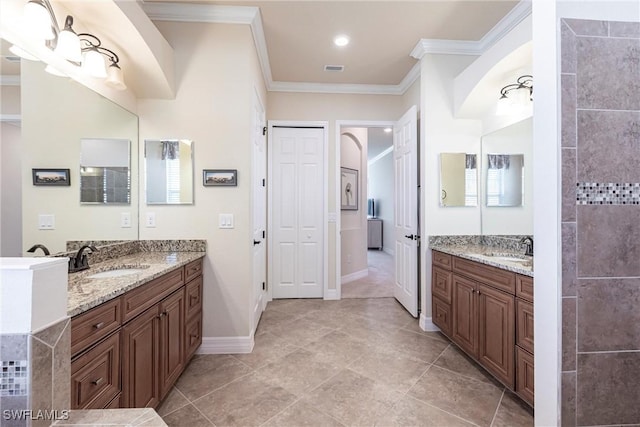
x=104, y=171
x=505, y=179
x=169, y=171
x=458, y=179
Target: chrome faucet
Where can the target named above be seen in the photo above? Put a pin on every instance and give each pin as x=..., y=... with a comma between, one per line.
x=529, y=242
x=80, y=261
x=34, y=248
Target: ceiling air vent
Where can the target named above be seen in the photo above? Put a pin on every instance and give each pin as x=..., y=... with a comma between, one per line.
x=334, y=67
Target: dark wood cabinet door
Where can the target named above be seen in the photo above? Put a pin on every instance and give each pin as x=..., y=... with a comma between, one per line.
x=441, y=284
x=525, y=374
x=496, y=318
x=465, y=314
x=140, y=361
x=192, y=336
x=442, y=316
x=524, y=324
x=171, y=340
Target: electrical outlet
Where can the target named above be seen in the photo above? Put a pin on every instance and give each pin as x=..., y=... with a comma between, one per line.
x=125, y=220
x=46, y=222
x=348, y=258
x=150, y=219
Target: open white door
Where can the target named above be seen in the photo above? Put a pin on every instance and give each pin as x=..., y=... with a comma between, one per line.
x=405, y=160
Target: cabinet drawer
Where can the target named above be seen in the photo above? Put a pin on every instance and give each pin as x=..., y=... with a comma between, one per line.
x=193, y=336
x=90, y=327
x=441, y=284
x=442, y=316
x=193, y=269
x=524, y=324
x=496, y=277
x=95, y=375
x=140, y=299
x=193, y=297
x=441, y=260
x=115, y=403
x=524, y=287
x=524, y=375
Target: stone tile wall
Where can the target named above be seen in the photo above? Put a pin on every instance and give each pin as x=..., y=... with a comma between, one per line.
x=600, y=86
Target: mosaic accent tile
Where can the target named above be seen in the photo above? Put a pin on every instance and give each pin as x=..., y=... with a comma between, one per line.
x=14, y=378
x=603, y=193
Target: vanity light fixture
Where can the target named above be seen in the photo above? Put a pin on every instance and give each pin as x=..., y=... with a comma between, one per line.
x=84, y=49
x=515, y=97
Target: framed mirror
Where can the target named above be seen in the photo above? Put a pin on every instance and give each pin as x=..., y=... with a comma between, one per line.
x=458, y=179
x=505, y=180
x=168, y=171
x=105, y=176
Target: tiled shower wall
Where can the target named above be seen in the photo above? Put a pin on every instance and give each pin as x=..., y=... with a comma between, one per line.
x=600, y=84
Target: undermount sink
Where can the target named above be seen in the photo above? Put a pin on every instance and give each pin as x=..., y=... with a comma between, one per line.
x=508, y=257
x=117, y=272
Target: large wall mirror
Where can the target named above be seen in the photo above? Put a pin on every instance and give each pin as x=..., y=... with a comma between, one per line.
x=505, y=180
x=104, y=171
x=458, y=179
x=57, y=115
x=168, y=171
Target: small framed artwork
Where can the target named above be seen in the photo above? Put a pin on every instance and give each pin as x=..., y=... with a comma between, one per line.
x=220, y=177
x=59, y=177
x=349, y=189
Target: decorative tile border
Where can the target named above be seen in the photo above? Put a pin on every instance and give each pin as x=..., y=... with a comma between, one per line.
x=13, y=378
x=603, y=193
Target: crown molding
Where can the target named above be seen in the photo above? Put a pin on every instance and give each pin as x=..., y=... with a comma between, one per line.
x=470, y=47
x=345, y=88
x=9, y=80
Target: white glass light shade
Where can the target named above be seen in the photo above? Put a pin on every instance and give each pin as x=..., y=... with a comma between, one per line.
x=69, y=46
x=37, y=19
x=93, y=64
x=115, y=78
x=504, y=106
x=521, y=96
x=54, y=71
x=18, y=51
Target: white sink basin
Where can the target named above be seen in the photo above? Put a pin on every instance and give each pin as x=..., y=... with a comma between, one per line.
x=116, y=273
x=509, y=258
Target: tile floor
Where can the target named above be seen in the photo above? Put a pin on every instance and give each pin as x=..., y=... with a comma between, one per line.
x=360, y=362
x=379, y=281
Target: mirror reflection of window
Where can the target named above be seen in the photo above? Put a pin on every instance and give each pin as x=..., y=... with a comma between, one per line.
x=458, y=179
x=505, y=179
x=169, y=171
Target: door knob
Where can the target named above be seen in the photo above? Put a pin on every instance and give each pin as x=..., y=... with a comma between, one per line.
x=256, y=242
x=410, y=236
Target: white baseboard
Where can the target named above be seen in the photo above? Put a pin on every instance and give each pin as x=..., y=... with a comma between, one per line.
x=388, y=251
x=354, y=276
x=426, y=324
x=226, y=345
x=332, y=294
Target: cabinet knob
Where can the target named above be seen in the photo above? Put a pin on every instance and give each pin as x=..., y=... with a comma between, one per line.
x=98, y=325
x=98, y=381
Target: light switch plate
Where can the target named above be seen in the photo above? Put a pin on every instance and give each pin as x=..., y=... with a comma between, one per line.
x=332, y=217
x=46, y=222
x=225, y=221
x=150, y=219
x=125, y=220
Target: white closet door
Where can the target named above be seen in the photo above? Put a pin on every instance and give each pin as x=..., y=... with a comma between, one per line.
x=297, y=234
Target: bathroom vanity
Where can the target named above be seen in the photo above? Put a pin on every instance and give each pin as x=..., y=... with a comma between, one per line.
x=482, y=299
x=133, y=334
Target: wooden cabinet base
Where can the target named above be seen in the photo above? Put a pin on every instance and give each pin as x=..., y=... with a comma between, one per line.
x=524, y=378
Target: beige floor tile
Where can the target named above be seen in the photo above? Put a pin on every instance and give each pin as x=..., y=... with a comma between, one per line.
x=246, y=402
x=339, y=348
x=353, y=399
x=473, y=400
x=272, y=319
x=379, y=281
x=410, y=412
x=297, y=372
x=513, y=413
x=209, y=372
x=336, y=319
x=173, y=401
x=455, y=360
x=187, y=416
x=413, y=325
x=267, y=349
x=302, y=414
x=417, y=345
x=392, y=368
x=301, y=331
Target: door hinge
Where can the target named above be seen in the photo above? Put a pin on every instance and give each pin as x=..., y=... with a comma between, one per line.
x=263, y=182
x=264, y=234
x=264, y=130
x=264, y=286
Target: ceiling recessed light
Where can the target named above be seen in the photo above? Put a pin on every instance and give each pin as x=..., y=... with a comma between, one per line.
x=341, y=40
x=388, y=130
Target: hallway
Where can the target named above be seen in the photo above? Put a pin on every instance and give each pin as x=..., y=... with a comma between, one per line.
x=379, y=281
x=341, y=363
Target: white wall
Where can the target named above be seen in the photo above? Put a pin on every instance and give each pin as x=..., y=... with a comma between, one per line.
x=381, y=188
x=216, y=70
x=10, y=190
x=353, y=224
x=56, y=114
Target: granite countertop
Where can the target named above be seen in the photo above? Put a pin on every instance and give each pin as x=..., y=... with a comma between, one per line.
x=85, y=293
x=113, y=417
x=490, y=255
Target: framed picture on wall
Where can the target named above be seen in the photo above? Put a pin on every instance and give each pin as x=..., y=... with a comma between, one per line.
x=349, y=189
x=58, y=177
x=220, y=177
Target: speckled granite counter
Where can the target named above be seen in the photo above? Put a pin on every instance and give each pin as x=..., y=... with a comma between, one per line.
x=490, y=252
x=113, y=417
x=86, y=293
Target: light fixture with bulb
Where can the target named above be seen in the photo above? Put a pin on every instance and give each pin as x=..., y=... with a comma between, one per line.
x=387, y=130
x=516, y=97
x=84, y=50
x=341, y=40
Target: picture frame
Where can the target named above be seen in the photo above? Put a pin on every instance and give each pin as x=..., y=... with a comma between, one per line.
x=51, y=177
x=220, y=177
x=349, y=189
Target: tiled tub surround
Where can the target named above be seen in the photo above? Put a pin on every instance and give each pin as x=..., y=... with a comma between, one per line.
x=600, y=227
x=483, y=249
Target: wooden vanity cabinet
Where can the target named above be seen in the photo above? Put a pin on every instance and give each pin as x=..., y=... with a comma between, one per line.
x=524, y=339
x=158, y=328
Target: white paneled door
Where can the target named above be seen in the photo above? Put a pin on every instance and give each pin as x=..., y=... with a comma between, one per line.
x=259, y=208
x=405, y=159
x=297, y=185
